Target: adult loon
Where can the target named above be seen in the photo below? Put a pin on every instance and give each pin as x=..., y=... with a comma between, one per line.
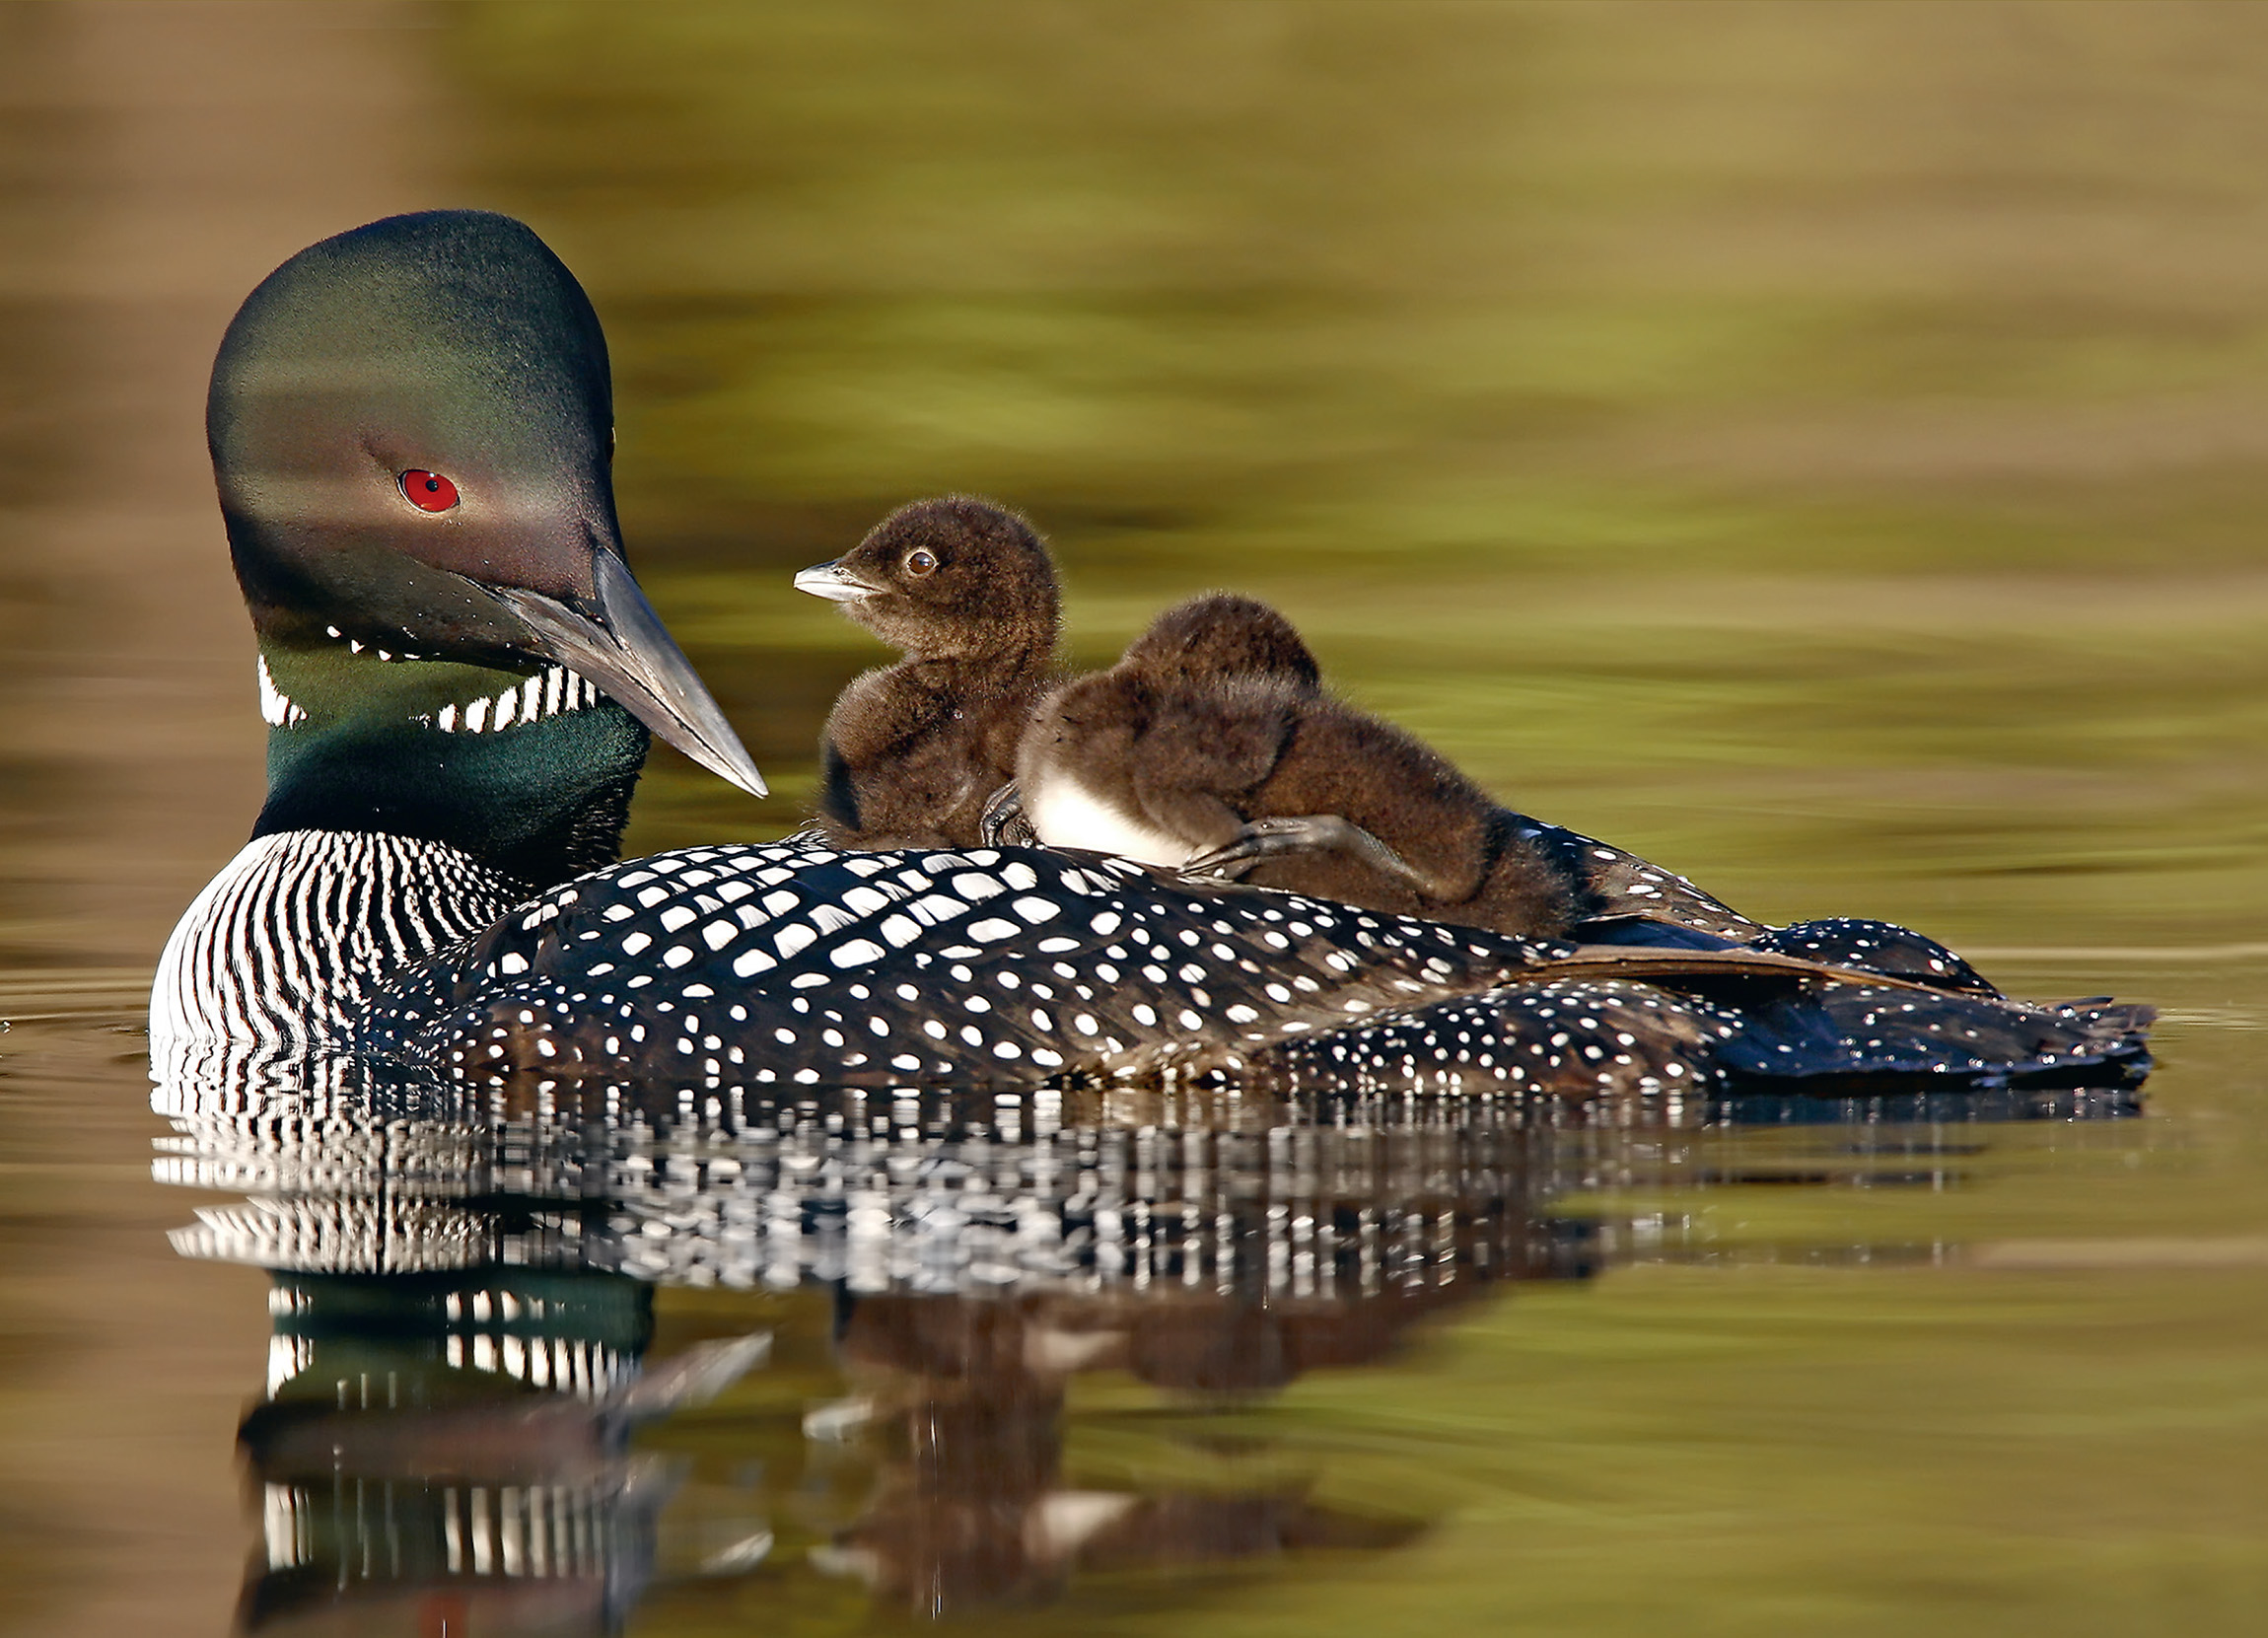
x=410, y=426
x=913, y=753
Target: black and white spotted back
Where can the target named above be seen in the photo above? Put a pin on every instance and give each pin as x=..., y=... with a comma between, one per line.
x=1620, y=882
x=764, y=966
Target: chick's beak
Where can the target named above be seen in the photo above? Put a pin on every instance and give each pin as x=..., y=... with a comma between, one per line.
x=619, y=643
x=834, y=581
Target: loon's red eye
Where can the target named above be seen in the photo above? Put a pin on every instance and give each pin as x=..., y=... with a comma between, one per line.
x=428, y=491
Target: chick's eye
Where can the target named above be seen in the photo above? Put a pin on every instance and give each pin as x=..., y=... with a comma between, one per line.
x=920, y=562
x=428, y=491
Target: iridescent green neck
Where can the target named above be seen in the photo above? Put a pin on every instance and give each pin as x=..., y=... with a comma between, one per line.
x=530, y=773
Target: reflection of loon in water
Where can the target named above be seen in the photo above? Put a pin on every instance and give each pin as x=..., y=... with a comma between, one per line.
x=469, y=1382
x=927, y=1193
x=459, y=1444
x=461, y=1325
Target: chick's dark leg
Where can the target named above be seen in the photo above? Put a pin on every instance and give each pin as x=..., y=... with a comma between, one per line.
x=1004, y=822
x=1284, y=837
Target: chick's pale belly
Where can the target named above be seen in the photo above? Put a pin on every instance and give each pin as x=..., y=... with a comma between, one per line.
x=1066, y=813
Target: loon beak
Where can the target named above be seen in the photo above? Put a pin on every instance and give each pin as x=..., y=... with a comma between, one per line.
x=625, y=649
x=834, y=583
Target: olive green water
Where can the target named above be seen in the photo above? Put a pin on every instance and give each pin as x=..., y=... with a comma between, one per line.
x=1825, y=449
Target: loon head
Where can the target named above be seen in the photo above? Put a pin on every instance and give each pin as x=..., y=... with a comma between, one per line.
x=411, y=430
x=949, y=578
x=1222, y=635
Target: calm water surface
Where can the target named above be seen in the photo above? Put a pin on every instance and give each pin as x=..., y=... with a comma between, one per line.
x=1823, y=449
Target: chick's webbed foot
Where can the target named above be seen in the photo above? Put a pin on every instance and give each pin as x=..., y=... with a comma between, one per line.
x=1285, y=837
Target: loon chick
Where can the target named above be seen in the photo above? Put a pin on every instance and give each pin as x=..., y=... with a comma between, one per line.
x=1212, y=746
x=912, y=753
x=410, y=434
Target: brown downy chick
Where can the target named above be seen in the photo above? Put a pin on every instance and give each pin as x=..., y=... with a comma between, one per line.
x=913, y=751
x=1212, y=746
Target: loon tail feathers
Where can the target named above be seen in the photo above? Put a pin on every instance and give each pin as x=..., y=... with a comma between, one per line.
x=1608, y=961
